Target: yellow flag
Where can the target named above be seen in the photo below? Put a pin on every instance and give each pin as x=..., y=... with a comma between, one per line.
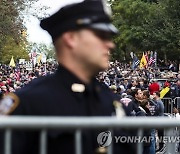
x=143, y=61
x=39, y=58
x=164, y=91
x=12, y=63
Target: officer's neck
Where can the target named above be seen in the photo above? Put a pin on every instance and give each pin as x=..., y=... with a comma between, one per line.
x=84, y=75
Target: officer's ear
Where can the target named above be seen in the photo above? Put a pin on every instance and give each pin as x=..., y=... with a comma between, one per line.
x=70, y=39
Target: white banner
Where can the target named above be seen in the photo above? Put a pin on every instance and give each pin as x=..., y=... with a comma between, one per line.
x=29, y=65
x=21, y=61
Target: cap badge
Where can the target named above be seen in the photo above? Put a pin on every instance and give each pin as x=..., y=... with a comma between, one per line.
x=83, y=21
x=107, y=8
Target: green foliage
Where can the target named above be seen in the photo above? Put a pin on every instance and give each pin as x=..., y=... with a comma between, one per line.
x=11, y=48
x=145, y=25
x=11, y=22
x=12, y=41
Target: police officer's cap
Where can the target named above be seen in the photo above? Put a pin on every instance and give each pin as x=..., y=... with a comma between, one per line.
x=93, y=14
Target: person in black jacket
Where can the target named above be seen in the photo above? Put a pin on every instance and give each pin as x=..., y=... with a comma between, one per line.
x=141, y=108
x=175, y=89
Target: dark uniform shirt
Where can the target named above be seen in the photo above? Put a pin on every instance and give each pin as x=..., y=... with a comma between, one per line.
x=54, y=95
x=61, y=94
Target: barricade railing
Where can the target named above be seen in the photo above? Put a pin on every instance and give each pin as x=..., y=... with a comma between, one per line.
x=170, y=103
x=79, y=123
x=177, y=102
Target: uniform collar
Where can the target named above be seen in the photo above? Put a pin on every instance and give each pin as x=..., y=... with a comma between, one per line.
x=68, y=77
x=73, y=83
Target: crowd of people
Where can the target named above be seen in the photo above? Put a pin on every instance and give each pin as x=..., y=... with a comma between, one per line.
x=119, y=77
x=141, y=93
x=13, y=78
x=138, y=89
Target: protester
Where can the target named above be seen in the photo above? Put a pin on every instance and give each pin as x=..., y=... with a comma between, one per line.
x=159, y=112
x=154, y=87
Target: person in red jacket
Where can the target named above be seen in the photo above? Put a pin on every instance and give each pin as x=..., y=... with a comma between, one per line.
x=153, y=87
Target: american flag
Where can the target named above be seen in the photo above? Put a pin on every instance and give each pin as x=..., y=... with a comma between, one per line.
x=34, y=54
x=155, y=58
x=150, y=62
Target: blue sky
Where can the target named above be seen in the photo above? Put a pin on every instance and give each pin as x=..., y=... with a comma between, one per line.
x=35, y=33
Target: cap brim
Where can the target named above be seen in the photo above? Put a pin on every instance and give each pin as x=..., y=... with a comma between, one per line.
x=107, y=27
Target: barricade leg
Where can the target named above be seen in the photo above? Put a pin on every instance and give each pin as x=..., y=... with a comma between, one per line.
x=7, y=145
x=43, y=142
x=110, y=148
x=171, y=140
x=78, y=143
x=140, y=145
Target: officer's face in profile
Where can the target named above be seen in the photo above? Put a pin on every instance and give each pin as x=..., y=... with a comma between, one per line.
x=93, y=48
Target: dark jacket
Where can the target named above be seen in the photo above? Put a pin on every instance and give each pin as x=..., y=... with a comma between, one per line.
x=54, y=95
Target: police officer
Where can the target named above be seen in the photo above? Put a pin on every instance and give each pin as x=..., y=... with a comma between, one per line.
x=81, y=34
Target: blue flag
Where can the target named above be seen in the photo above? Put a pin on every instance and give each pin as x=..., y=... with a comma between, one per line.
x=135, y=63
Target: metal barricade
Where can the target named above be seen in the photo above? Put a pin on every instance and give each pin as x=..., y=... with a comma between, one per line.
x=168, y=105
x=79, y=123
x=176, y=102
